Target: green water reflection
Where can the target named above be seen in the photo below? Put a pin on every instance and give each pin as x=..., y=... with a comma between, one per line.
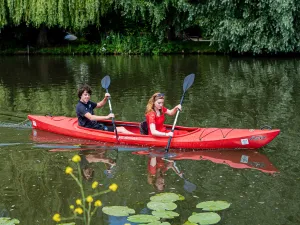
x=227, y=92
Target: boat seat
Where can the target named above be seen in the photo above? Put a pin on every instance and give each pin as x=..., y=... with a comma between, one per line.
x=144, y=127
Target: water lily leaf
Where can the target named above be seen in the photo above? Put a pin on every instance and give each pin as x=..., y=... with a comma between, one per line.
x=157, y=223
x=181, y=197
x=8, y=221
x=213, y=205
x=160, y=206
x=189, y=223
x=165, y=197
x=117, y=210
x=142, y=218
x=72, y=223
x=205, y=218
x=165, y=214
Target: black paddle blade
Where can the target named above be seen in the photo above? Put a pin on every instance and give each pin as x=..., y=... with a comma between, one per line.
x=105, y=82
x=188, y=81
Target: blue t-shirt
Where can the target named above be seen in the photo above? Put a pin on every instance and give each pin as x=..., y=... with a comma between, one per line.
x=81, y=110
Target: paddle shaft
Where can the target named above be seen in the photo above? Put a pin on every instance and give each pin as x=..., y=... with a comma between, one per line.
x=113, y=119
x=175, y=121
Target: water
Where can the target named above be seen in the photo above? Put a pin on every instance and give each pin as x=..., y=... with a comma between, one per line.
x=227, y=92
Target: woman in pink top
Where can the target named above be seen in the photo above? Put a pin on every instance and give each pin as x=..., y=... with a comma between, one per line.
x=155, y=115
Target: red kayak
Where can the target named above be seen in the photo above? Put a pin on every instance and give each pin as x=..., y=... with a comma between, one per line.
x=193, y=138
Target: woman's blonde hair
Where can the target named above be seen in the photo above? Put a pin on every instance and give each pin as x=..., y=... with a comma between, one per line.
x=150, y=105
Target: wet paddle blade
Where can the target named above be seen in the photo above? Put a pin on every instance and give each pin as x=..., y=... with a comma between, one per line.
x=188, y=186
x=105, y=82
x=188, y=81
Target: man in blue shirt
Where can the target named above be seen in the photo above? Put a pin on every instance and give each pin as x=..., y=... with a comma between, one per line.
x=85, y=111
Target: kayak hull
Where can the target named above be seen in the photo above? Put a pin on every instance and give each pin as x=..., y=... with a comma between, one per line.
x=193, y=138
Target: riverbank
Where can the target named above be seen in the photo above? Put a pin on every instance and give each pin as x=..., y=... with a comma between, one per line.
x=127, y=47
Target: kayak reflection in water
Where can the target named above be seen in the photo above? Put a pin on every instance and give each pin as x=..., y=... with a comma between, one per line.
x=89, y=157
x=155, y=116
x=85, y=111
x=157, y=168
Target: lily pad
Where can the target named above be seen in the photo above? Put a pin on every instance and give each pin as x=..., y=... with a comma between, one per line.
x=160, y=206
x=8, y=221
x=205, y=218
x=165, y=197
x=165, y=214
x=142, y=218
x=117, y=210
x=158, y=223
x=213, y=205
x=189, y=223
x=181, y=197
x=72, y=223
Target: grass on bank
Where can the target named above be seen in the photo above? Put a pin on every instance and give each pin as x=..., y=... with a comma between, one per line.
x=117, y=44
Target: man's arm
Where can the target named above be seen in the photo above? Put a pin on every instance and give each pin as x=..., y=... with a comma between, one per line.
x=104, y=100
x=97, y=118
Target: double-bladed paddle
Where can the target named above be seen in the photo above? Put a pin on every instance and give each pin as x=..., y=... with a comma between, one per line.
x=105, y=82
x=188, y=81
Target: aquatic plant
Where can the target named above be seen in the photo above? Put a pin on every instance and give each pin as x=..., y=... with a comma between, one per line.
x=86, y=205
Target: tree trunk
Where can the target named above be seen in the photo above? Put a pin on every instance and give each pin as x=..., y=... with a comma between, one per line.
x=42, y=40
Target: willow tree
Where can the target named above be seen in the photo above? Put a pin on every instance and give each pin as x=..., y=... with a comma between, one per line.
x=258, y=26
x=167, y=18
x=67, y=14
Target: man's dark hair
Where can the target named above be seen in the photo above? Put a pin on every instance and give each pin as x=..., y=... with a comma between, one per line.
x=82, y=88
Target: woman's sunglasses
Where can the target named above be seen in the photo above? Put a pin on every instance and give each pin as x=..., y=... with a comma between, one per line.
x=160, y=95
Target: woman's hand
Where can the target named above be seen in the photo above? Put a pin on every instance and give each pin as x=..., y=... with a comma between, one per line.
x=169, y=134
x=178, y=107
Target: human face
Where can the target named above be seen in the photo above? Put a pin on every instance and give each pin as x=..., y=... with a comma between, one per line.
x=85, y=97
x=159, y=103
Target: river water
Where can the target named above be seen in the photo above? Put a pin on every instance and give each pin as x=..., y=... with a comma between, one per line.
x=227, y=92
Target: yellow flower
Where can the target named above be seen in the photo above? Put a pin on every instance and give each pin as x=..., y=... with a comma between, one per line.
x=113, y=187
x=98, y=203
x=95, y=184
x=69, y=170
x=89, y=199
x=126, y=223
x=78, y=210
x=71, y=206
x=56, y=217
x=76, y=158
x=78, y=202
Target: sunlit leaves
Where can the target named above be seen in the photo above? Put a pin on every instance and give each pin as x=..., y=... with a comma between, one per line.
x=118, y=210
x=213, y=205
x=205, y=218
x=8, y=221
x=165, y=197
x=165, y=214
x=141, y=218
x=161, y=205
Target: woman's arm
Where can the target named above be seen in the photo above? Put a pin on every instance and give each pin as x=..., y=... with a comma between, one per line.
x=173, y=111
x=158, y=133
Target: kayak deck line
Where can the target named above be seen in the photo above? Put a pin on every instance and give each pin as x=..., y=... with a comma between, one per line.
x=193, y=137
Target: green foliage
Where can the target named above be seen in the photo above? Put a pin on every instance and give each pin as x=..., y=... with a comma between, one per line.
x=165, y=197
x=117, y=210
x=8, y=221
x=252, y=26
x=233, y=26
x=161, y=205
x=205, y=218
x=213, y=205
x=142, y=218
